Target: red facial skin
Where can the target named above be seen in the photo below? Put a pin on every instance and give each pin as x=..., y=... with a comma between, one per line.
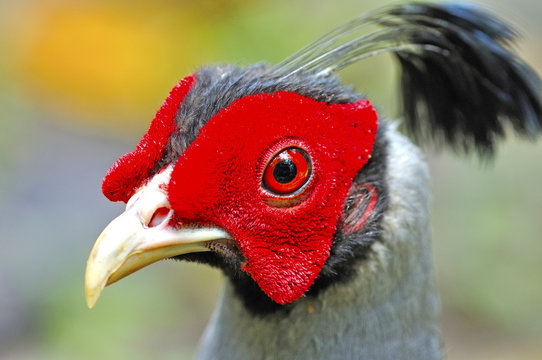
x=218, y=181
x=132, y=169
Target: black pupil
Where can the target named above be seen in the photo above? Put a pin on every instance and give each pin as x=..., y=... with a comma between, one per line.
x=285, y=171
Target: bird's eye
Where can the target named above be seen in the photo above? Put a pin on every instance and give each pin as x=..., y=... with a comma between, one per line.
x=287, y=171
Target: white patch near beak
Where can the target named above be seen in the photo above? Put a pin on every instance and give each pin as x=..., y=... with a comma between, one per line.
x=141, y=236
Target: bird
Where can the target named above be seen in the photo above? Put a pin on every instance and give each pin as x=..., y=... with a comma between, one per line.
x=315, y=207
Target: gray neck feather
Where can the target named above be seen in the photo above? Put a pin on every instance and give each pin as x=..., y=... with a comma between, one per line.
x=387, y=312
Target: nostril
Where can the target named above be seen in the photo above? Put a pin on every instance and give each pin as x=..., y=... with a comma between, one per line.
x=159, y=216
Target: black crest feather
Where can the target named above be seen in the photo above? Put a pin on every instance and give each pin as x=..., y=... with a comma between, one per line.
x=461, y=81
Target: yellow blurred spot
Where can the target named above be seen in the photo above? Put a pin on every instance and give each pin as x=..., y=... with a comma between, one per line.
x=107, y=62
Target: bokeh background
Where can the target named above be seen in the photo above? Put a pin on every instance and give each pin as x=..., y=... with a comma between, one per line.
x=80, y=82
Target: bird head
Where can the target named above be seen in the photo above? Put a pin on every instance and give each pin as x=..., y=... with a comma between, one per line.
x=277, y=174
x=262, y=185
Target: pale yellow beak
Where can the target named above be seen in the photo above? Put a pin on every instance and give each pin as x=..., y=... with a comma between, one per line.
x=141, y=236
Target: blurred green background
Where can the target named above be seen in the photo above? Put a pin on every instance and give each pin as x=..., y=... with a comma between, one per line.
x=80, y=82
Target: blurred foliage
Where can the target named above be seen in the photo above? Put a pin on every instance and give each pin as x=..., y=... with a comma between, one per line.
x=498, y=217
x=130, y=322
x=94, y=72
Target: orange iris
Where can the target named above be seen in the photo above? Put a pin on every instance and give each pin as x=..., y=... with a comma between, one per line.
x=287, y=172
